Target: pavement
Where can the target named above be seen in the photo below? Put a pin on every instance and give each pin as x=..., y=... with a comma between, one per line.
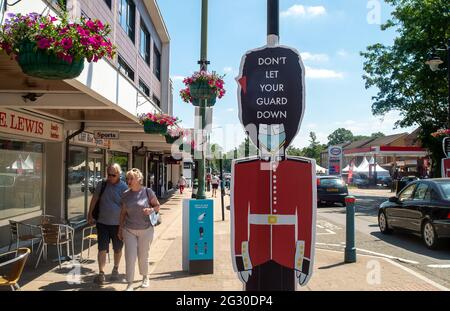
x=371, y=272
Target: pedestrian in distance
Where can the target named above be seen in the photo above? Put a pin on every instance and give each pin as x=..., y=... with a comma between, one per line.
x=215, y=180
x=182, y=183
x=136, y=230
x=109, y=192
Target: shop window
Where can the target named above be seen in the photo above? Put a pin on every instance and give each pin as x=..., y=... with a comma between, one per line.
x=144, y=47
x=144, y=88
x=108, y=3
x=127, y=17
x=125, y=69
x=21, y=176
x=156, y=62
x=120, y=158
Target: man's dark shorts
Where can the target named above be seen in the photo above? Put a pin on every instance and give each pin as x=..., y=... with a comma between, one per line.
x=108, y=233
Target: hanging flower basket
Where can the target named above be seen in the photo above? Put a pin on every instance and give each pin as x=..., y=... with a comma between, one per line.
x=40, y=64
x=151, y=127
x=53, y=48
x=173, y=133
x=203, y=88
x=157, y=123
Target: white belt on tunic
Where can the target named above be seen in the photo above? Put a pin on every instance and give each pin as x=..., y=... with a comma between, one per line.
x=270, y=219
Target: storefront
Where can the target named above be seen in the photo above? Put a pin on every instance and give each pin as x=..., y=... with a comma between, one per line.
x=86, y=168
x=25, y=141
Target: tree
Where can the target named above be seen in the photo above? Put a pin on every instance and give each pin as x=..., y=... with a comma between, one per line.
x=314, y=149
x=292, y=151
x=377, y=135
x=405, y=83
x=339, y=136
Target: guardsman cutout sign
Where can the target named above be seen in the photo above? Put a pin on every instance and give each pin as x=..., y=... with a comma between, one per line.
x=273, y=198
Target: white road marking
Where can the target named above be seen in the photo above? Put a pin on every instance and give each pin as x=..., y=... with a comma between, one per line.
x=439, y=266
x=419, y=276
x=388, y=256
x=328, y=232
x=374, y=253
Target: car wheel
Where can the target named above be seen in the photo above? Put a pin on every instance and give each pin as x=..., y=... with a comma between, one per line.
x=429, y=235
x=383, y=223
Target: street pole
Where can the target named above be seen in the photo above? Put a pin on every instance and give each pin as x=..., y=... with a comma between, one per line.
x=203, y=67
x=350, y=249
x=448, y=80
x=273, y=22
x=222, y=189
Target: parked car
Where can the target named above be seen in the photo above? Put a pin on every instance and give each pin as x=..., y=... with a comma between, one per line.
x=422, y=208
x=385, y=181
x=93, y=181
x=331, y=189
x=361, y=180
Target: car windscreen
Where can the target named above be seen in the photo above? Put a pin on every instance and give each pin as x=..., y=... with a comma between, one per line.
x=331, y=182
x=445, y=187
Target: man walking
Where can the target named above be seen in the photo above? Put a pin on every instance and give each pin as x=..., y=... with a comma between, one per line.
x=109, y=193
x=215, y=185
x=182, y=183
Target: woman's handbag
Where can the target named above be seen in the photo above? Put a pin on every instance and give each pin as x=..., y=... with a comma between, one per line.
x=155, y=217
x=96, y=210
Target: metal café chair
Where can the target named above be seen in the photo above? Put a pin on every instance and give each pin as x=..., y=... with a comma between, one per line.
x=13, y=264
x=57, y=235
x=91, y=236
x=17, y=235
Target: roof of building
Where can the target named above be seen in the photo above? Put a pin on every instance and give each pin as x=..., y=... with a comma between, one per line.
x=385, y=140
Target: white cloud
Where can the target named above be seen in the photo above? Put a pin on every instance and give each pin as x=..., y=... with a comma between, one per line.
x=342, y=53
x=177, y=78
x=314, y=73
x=299, y=10
x=321, y=58
x=227, y=69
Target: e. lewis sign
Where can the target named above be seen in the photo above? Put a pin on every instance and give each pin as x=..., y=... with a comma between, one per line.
x=271, y=96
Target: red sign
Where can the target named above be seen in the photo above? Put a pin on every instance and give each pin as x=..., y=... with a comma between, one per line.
x=13, y=122
x=445, y=168
x=273, y=221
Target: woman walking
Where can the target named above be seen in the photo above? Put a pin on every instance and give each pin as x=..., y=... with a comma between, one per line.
x=135, y=229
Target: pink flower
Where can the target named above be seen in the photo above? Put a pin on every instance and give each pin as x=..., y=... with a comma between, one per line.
x=67, y=43
x=91, y=25
x=44, y=44
x=100, y=25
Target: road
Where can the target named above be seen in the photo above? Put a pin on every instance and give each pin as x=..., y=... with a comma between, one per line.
x=406, y=249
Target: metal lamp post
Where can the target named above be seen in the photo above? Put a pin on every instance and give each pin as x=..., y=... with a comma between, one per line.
x=434, y=61
x=203, y=67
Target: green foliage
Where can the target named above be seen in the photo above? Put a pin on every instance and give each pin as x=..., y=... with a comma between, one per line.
x=339, y=136
x=405, y=83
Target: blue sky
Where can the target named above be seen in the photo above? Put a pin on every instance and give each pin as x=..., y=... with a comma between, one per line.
x=328, y=33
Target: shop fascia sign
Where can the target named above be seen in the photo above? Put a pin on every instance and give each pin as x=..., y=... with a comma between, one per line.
x=111, y=135
x=17, y=123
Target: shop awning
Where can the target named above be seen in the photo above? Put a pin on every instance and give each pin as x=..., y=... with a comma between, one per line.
x=387, y=151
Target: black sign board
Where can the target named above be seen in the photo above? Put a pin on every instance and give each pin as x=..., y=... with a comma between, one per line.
x=271, y=95
x=446, y=146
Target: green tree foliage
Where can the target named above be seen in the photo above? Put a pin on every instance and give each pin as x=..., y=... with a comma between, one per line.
x=339, y=136
x=404, y=82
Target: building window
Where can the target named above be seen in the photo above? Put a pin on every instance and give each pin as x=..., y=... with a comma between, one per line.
x=156, y=62
x=127, y=17
x=144, y=48
x=144, y=88
x=156, y=101
x=125, y=69
x=108, y=3
x=21, y=176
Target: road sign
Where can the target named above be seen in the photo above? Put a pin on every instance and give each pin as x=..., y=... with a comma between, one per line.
x=446, y=146
x=334, y=160
x=445, y=167
x=271, y=96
